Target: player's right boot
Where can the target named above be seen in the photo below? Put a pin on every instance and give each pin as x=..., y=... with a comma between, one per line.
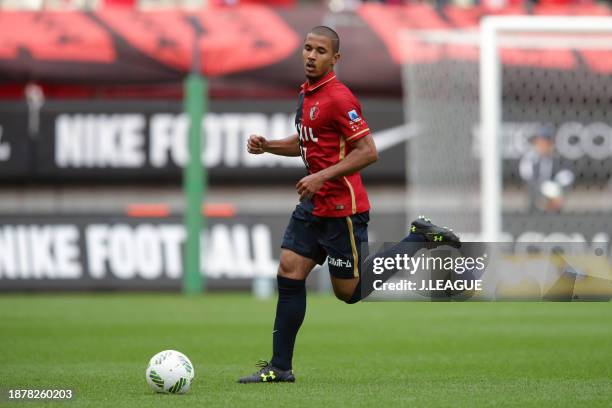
x=268, y=374
x=434, y=233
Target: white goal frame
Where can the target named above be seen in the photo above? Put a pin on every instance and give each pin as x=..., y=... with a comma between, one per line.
x=491, y=98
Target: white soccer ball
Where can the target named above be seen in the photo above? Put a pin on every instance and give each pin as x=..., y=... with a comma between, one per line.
x=170, y=371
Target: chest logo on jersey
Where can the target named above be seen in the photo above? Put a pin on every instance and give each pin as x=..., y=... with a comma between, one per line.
x=314, y=112
x=305, y=134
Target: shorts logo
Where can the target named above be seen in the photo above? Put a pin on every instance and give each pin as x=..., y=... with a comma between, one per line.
x=314, y=112
x=342, y=263
x=353, y=116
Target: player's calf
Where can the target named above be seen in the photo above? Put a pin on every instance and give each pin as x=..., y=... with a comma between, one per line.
x=344, y=288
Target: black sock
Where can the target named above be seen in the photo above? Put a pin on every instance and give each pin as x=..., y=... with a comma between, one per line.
x=358, y=294
x=290, y=312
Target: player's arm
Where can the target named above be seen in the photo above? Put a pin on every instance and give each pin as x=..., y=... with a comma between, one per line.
x=363, y=154
x=288, y=146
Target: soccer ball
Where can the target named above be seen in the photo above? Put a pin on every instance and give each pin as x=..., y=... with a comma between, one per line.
x=170, y=371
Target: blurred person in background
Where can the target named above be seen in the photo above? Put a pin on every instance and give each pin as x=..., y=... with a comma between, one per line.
x=546, y=184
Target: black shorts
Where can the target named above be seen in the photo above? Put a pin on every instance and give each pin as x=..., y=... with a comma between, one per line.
x=337, y=239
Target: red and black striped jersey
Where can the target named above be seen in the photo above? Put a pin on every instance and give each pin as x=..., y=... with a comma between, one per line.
x=328, y=122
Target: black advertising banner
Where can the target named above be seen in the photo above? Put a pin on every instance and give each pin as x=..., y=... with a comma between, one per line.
x=102, y=141
x=109, y=141
x=15, y=143
x=102, y=252
x=107, y=252
x=147, y=141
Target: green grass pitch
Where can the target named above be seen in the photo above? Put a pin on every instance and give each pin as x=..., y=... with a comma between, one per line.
x=370, y=354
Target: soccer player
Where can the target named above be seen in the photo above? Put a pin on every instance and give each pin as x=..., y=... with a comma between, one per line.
x=331, y=220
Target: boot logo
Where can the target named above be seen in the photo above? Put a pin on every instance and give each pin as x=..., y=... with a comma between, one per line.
x=269, y=376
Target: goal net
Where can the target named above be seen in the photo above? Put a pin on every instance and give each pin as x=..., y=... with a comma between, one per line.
x=512, y=128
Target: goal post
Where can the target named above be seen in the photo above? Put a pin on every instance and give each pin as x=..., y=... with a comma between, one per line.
x=476, y=98
x=491, y=97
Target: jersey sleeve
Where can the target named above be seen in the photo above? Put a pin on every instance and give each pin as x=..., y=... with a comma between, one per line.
x=348, y=119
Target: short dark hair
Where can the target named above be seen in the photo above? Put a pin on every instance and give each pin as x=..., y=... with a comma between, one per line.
x=329, y=33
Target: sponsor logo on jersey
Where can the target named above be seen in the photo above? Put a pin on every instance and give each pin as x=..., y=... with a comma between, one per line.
x=305, y=134
x=342, y=263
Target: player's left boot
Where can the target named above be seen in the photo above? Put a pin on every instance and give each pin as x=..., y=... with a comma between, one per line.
x=268, y=374
x=433, y=233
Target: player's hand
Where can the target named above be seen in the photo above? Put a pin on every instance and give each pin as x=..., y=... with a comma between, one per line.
x=256, y=144
x=309, y=185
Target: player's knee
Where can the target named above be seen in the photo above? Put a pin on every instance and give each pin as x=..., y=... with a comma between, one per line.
x=284, y=268
x=287, y=269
